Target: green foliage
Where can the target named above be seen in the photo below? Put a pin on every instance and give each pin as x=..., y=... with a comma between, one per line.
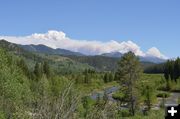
x=46, y=69
x=170, y=85
x=2, y=115
x=86, y=106
x=147, y=88
x=14, y=86
x=100, y=63
x=154, y=69
x=57, y=84
x=172, y=69
x=38, y=70
x=53, y=94
x=111, y=77
x=177, y=68
x=128, y=72
x=106, y=80
x=108, y=77
x=21, y=63
x=88, y=75
x=124, y=113
x=119, y=96
x=163, y=94
x=148, y=96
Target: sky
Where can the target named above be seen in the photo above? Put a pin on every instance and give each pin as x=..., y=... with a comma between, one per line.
x=148, y=27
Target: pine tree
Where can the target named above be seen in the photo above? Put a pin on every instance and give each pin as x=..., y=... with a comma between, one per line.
x=110, y=77
x=148, y=96
x=166, y=70
x=116, y=77
x=177, y=68
x=105, y=78
x=128, y=73
x=87, y=78
x=21, y=63
x=171, y=70
x=46, y=69
x=167, y=74
x=38, y=71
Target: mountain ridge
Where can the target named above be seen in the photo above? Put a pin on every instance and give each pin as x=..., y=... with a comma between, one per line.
x=45, y=49
x=99, y=62
x=58, y=51
x=141, y=58
x=60, y=64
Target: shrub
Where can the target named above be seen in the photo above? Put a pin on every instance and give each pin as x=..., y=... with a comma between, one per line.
x=124, y=113
x=118, y=96
x=163, y=95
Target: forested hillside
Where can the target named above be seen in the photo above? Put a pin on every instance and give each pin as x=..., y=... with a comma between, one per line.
x=25, y=95
x=37, y=85
x=104, y=63
x=60, y=64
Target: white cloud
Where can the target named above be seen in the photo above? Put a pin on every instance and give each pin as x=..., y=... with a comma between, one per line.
x=58, y=39
x=156, y=53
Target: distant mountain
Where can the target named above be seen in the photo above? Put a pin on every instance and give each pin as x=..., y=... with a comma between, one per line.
x=152, y=59
x=58, y=51
x=103, y=62
x=113, y=54
x=45, y=49
x=11, y=47
x=142, y=59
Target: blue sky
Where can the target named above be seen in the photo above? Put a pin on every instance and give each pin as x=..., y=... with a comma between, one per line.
x=147, y=23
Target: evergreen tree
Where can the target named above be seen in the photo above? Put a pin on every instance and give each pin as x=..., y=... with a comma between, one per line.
x=21, y=63
x=128, y=72
x=46, y=69
x=171, y=70
x=177, y=68
x=167, y=74
x=166, y=70
x=116, y=77
x=38, y=71
x=148, y=96
x=87, y=78
x=105, y=78
x=110, y=77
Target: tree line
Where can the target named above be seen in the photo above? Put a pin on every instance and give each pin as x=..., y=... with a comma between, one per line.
x=172, y=69
x=40, y=69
